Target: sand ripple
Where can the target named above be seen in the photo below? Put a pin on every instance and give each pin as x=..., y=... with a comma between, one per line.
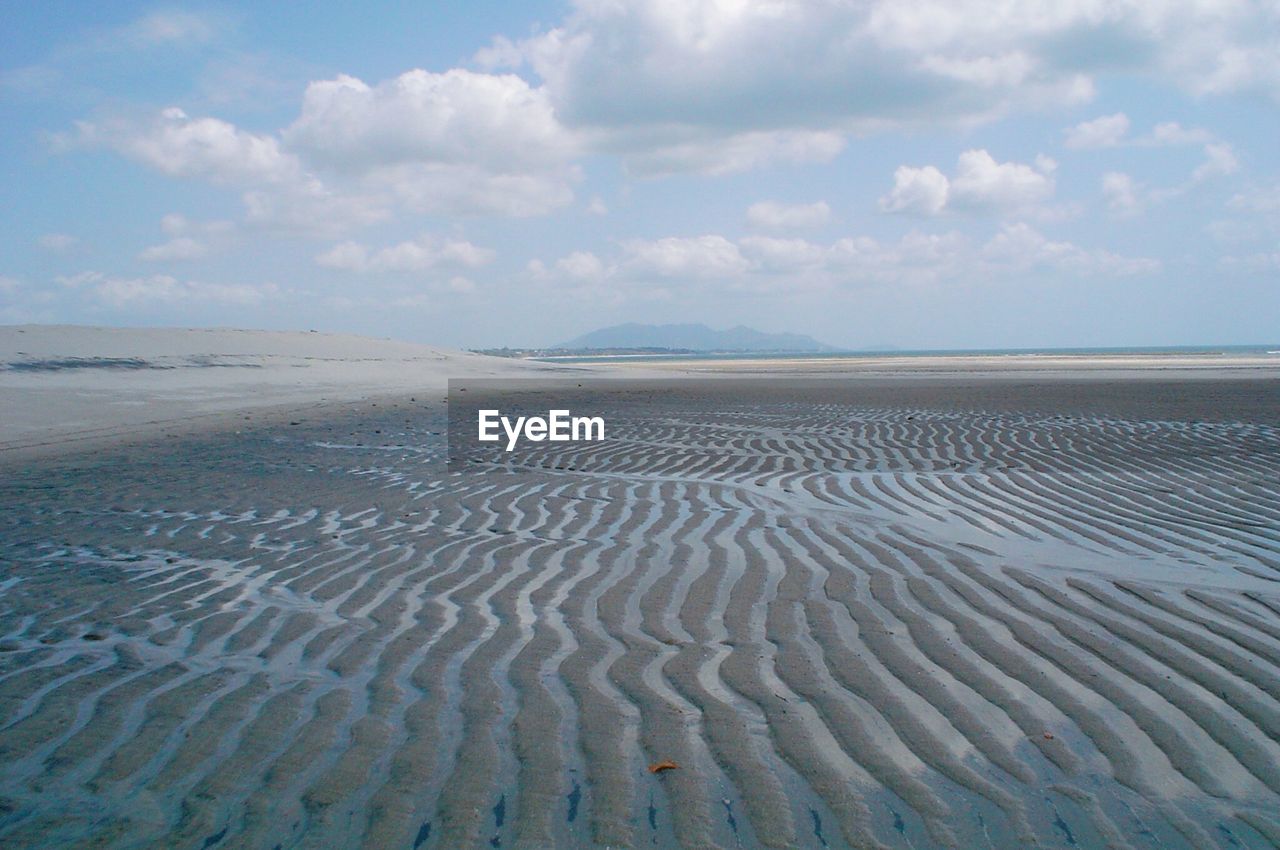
x=850, y=625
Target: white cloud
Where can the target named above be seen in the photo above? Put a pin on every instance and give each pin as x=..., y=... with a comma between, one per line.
x=772, y=264
x=501, y=54
x=469, y=190
x=1105, y=132
x=313, y=208
x=178, y=248
x=21, y=304
x=1128, y=197
x=922, y=191
x=773, y=254
x=1200, y=46
x=979, y=184
x=435, y=294
x=164, y=288
x=58, y=242
x=684, y=257
x=171, y=26
x=1019, y=247
x=1239, y=231
x=1173, y=133
x=1241, y=66
x=79, y=279
x=596, y=206
x=1121, y=193
x=142, y=292
x=1112, y=131
x=1261, y=262
x=773, y=215
x=350, y=256
x=89, y=47
x=181, y=146
x=175, y=224
x=694, y=79
x=709, y=153
x=426, y=252
x=1256, y=221
x=581, y=266
x=982, y=182
x=704, y=86
x=1257, y=199
x=457, y=141
x=1220, y=160
x=189, y=240
x=278, y=190
x=732, y=66
x=495, y=121
x=451, y=143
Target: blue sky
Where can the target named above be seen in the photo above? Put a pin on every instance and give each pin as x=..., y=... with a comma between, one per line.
x=914, y=173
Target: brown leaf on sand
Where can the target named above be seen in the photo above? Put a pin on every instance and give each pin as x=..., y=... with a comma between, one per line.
x=659, y=766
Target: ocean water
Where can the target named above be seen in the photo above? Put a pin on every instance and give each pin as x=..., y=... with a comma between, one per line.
x=1206, y=350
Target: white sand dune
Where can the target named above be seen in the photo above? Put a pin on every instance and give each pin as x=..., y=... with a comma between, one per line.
x=64, y=385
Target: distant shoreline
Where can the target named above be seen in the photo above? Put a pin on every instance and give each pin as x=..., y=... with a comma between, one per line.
x=1272, y=350
x=68, y=389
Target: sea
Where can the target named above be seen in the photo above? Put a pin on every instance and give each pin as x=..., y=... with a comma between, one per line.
x=1182, y=350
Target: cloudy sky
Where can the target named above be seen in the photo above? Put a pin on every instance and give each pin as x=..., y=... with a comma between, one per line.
x=919, y=173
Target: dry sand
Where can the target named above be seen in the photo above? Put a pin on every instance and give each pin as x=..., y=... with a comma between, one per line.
x=67, y=387
x=954, y=612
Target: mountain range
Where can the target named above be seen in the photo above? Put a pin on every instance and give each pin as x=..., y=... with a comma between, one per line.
x=692, y=337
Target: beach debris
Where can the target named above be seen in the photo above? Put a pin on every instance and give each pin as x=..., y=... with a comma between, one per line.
x=1048, y=736
x=660, y=766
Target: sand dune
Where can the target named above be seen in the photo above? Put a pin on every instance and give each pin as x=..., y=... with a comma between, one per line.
x=967, y=615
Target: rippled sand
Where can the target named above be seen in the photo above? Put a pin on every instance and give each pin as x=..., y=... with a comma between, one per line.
x=963, y=615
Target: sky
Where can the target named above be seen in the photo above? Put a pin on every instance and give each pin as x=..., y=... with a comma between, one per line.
x=910, y=173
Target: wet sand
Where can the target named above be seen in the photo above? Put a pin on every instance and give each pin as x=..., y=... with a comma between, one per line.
x=948, y=612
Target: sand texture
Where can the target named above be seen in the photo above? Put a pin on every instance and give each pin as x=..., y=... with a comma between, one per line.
x=71, y=388
x=967, y=614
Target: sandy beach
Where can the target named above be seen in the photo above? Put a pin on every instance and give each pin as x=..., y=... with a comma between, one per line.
x=944, y=604
x=69, y=387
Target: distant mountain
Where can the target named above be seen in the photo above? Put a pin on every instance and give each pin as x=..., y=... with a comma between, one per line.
x=692, y=338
